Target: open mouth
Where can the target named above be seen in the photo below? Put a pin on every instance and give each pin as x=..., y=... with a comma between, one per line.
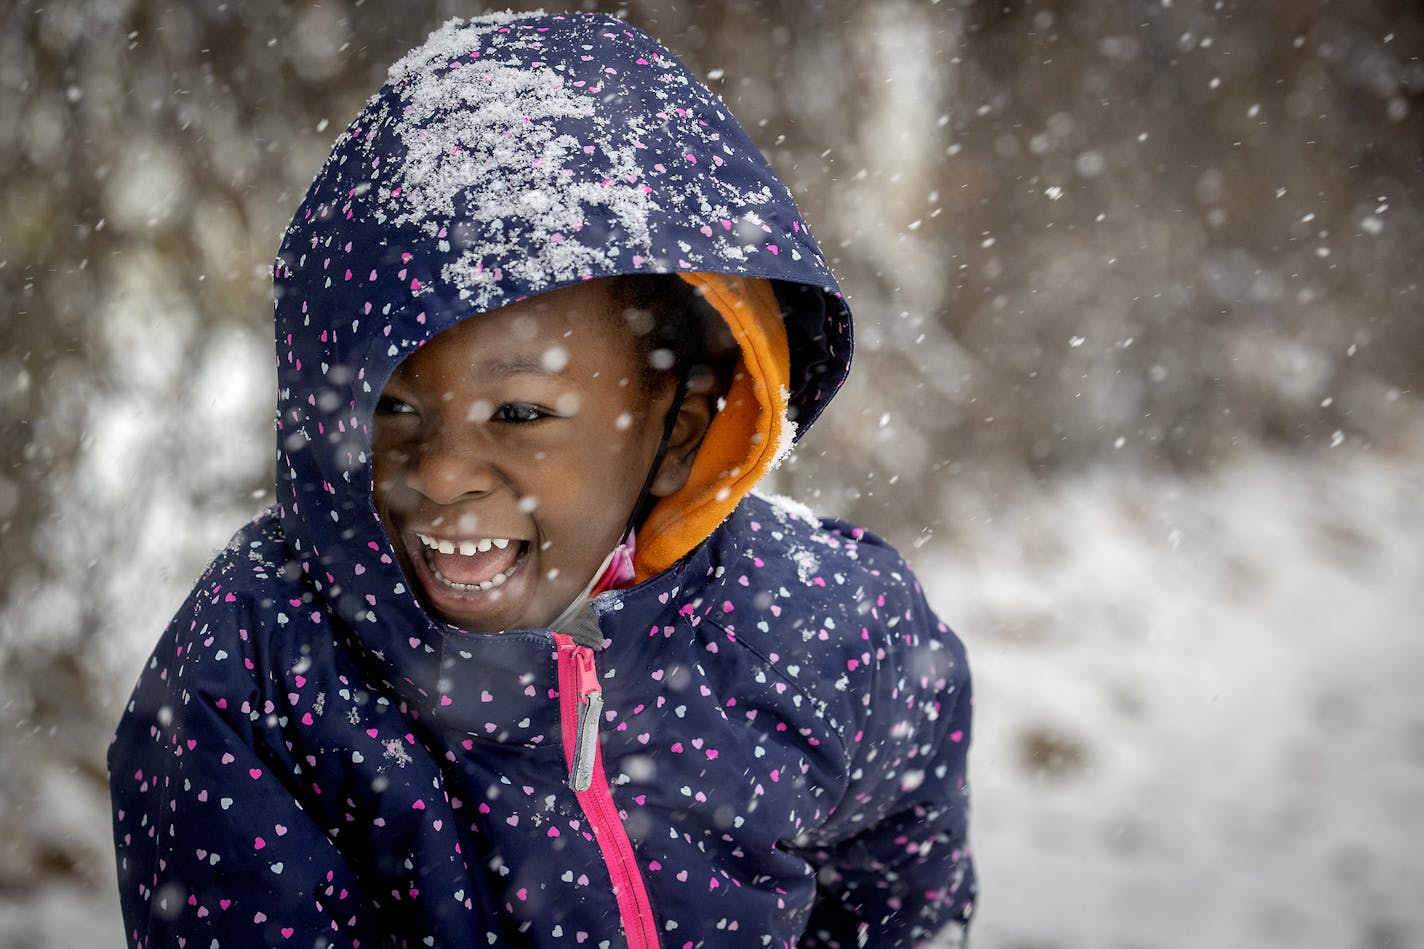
x=472, y=565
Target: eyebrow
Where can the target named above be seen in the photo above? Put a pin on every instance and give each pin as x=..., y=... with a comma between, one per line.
x=513, y=366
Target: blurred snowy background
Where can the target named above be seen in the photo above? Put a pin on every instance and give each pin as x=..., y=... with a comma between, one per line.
x=1138, y=388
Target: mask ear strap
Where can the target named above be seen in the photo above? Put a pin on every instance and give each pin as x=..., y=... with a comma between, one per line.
x=645, y=502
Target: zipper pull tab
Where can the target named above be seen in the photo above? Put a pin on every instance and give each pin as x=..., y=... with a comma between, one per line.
x=590, y=710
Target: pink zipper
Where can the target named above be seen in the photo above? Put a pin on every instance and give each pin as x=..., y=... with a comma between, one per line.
x=580, y=708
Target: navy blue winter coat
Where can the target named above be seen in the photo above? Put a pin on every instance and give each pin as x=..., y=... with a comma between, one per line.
x=763, y=743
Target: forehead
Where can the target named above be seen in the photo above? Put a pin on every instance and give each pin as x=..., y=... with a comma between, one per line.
x=574, y=327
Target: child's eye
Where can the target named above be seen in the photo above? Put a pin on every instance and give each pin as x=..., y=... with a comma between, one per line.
x=519, y=413
x=390, y=405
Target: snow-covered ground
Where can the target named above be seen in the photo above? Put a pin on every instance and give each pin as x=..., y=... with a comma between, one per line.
x=1200, y=720
x=1200, y=712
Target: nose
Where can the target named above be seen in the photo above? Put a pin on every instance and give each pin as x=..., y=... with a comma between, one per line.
x=452, y=463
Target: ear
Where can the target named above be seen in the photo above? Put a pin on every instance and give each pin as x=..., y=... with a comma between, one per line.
x=694, y=417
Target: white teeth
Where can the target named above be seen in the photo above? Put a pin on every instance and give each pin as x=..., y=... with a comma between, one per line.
x=494, y=581
x=466, y=548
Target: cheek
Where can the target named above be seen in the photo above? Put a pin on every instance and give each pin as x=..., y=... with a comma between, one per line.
x=380, y=474
x=622, y=455
x=385, y=478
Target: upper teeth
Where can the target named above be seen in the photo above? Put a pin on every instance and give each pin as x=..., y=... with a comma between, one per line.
x=467, y=548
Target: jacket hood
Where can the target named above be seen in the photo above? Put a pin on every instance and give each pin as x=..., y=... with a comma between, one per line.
x=512, y=155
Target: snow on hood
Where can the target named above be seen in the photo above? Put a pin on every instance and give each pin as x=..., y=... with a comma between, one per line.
x=507, y=156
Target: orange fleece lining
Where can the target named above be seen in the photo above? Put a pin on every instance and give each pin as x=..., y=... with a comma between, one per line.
x=743, y=440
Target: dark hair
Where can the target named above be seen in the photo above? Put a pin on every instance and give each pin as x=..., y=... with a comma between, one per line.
x=679, y=334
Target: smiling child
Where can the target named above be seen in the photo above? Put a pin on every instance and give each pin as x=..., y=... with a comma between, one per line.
x=519, y=657
x=509, y=452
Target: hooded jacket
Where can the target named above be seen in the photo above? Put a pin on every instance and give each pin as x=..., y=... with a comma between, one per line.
x=761, y=741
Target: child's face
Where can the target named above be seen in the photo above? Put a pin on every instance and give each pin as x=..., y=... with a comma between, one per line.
x=508, y=455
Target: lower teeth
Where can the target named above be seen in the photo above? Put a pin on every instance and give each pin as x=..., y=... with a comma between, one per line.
x=494, y=581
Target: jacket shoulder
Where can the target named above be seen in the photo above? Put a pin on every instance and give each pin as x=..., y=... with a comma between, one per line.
x=255, y=575
x=228, y=620
x=836, y=598
x=819, y=562
x=257, y=557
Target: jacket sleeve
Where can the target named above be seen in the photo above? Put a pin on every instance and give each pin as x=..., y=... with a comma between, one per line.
x=213, y=845
x=894, y=866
